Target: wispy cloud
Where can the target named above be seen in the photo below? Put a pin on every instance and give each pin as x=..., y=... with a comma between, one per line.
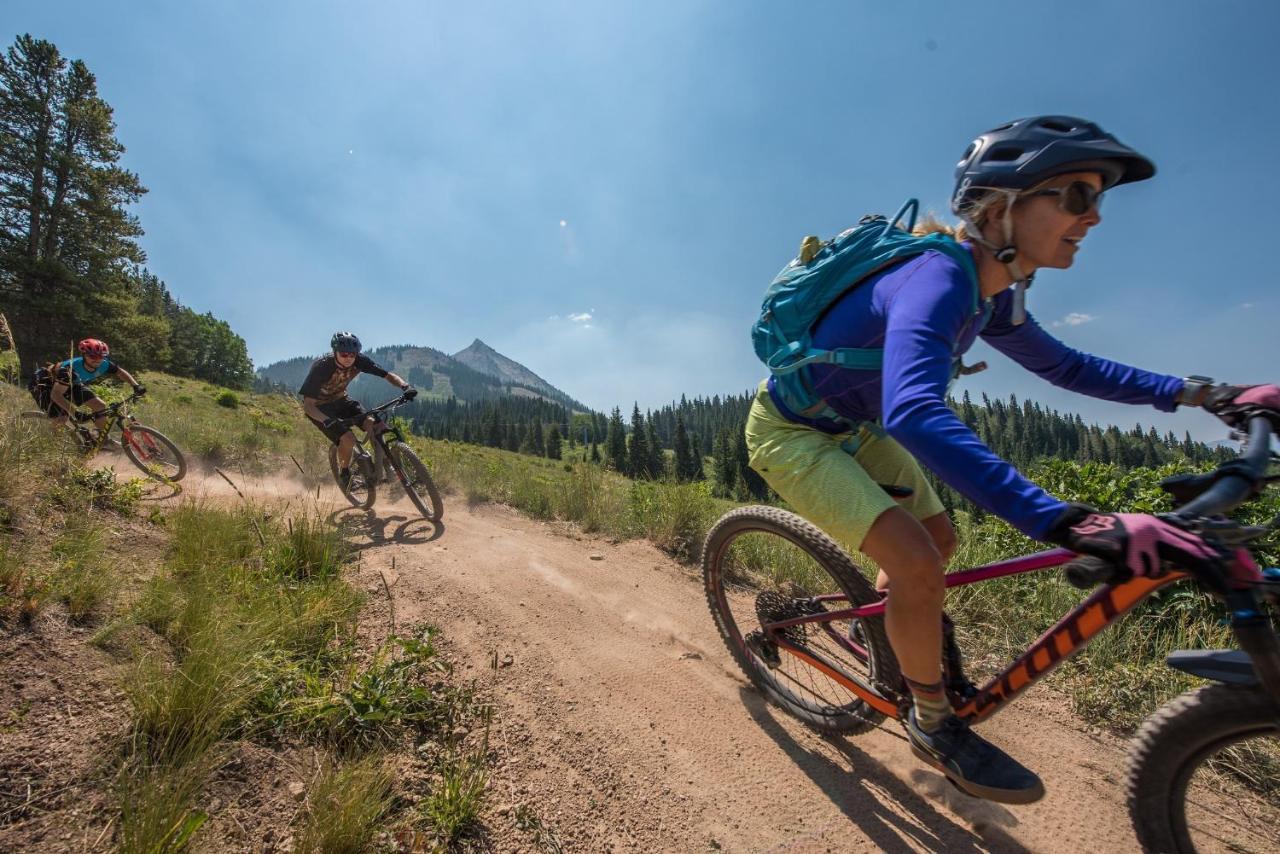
x=1075, y=318
x=582, y=317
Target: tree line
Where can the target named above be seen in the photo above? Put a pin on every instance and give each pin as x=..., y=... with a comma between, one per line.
x=703, y=438
x=70, y=263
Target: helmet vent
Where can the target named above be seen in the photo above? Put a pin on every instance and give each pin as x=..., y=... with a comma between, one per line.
x=1055, y=125
x=1004, y=154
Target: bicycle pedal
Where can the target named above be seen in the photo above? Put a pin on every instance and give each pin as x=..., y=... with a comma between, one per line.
x=764, y=649
x=962, y=690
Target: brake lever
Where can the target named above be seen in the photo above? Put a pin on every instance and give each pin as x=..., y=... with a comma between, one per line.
x=1230, y=533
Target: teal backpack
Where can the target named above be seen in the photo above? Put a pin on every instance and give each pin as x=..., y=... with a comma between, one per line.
x=812, y=282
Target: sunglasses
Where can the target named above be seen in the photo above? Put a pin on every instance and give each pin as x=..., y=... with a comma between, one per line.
x=1077, y=198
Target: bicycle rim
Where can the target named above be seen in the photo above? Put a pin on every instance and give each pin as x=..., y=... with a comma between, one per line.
x=418, y=484
x=763, y=565
x=361, y=491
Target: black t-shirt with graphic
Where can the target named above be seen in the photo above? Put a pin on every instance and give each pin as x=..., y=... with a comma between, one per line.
x=327, y=381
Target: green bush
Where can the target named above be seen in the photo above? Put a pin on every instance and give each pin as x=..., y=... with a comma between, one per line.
x=227, y=398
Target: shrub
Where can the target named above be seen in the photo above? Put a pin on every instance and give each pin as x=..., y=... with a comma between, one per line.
x=227, y=398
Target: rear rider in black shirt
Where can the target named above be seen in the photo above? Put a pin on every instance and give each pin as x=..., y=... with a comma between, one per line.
x=324, y=395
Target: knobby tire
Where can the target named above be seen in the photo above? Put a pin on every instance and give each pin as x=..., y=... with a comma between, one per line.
x=850, y=717
x=1179, y=738
x=418, y=483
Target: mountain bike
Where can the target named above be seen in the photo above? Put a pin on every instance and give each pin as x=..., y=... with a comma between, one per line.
x=146, y=447
x=390, y=455
x=807, y=628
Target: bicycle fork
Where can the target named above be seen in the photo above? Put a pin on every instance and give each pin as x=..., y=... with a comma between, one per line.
x=1257, y=661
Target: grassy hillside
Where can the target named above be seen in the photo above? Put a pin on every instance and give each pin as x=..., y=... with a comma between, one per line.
x=170, y=666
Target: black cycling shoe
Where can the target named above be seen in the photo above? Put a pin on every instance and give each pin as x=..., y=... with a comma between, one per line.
x=975, y=765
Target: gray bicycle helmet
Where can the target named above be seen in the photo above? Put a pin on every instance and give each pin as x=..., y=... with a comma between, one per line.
x=344, y=342
x=1020, y=154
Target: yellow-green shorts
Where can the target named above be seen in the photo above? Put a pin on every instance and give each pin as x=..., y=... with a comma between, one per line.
x=835, y=490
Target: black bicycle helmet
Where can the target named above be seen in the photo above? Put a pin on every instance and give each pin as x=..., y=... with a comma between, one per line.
x=1022, y=153
x=344, y=342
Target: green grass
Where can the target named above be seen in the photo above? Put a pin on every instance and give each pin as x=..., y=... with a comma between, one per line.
x=345, y=803
x=263, y=646
x=452, y=809
x=258, y=432
x=156, y=812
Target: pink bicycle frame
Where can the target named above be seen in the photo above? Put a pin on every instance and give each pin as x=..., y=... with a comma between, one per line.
x=1063, y=640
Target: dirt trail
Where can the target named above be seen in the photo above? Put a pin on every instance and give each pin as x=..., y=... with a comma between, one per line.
x=623, y=725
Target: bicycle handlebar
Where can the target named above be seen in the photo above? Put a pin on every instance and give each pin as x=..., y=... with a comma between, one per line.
x=380, y=408
x=1234, y=483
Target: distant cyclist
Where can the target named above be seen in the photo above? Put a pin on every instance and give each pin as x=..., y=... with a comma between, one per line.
x=325, y=400
x=1027, y=193
x=59, y=389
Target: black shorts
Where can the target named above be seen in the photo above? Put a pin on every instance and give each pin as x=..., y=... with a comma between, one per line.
x=345, y=408
x=77, y=394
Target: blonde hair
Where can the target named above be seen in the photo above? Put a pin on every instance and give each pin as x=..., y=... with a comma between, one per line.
x=979, y=212
x=931, y=224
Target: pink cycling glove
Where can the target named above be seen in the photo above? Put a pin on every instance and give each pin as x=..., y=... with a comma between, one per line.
x=1231, y=402
x=1139, y=542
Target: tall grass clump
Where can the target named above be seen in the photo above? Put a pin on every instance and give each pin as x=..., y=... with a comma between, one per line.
x=453, y=806
x=590, y=497
x=156, y=812
x=84, y=577
x=238, y=612
x=345, y=804
x=674, y=516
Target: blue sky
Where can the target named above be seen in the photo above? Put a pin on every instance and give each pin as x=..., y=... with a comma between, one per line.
x=603, y=191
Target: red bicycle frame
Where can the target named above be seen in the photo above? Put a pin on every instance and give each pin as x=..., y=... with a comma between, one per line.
x=1063, y=640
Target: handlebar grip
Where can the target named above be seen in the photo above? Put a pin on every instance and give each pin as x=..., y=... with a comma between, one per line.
x=1088, y=571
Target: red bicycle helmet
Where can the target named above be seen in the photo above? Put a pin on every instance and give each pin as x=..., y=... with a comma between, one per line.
x=93, y=347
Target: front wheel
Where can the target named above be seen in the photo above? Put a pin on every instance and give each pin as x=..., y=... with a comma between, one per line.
x=1205, y=773
x=360, y=490
x=151, y=451
x=418, y=483
x=765, y=565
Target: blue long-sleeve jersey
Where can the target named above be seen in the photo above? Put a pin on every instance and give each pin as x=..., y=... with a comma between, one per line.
x=921, y=312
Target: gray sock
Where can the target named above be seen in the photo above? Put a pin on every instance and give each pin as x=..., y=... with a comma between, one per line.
x=931, y=711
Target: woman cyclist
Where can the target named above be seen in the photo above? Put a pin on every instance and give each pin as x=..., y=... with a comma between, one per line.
x=1027, y=193
x=60, y=388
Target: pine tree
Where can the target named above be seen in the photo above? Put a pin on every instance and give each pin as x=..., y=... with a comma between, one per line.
x=684, y=453
x=616, y=442
x=726, y=472
x=657, y=459
x=638, y=459
x=595, y=452
x=553, y=442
